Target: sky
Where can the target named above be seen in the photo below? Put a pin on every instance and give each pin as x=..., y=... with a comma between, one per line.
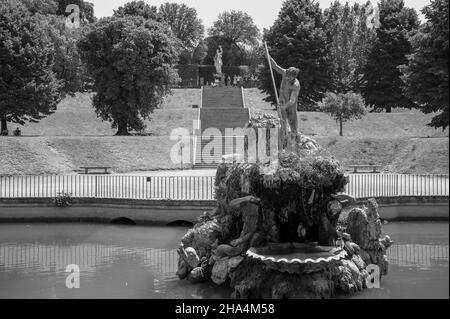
x=263, y=12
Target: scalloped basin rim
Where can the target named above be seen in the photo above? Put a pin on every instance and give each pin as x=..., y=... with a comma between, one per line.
x=270, y=252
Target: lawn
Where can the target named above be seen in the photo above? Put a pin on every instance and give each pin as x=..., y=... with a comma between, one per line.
x=64, y=155
x=76, y=117
x=401, y=123
x=73, y=136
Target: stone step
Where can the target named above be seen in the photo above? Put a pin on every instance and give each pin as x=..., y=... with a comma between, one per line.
x=222, y=108
x=206, y=166
x=222, y=97
x=217, y=157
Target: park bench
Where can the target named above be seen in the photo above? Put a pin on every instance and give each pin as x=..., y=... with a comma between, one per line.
x=366, y=168
x=88, y=169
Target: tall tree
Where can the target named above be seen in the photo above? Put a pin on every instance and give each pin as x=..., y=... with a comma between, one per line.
x=426, y=75
x=132, y=62
x=254, y=56
x=29, y=89
x=184, y=23
x=383, y=86
x=350, y=36
x=137, y=8
x=297, y=39
x=68, y=67
x=235, y=26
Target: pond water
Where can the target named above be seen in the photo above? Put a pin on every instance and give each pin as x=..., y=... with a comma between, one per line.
x=140, y=262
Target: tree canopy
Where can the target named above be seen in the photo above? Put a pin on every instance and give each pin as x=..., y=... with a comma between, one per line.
x=382, y=83
x=343, y=107
x=426, y=75
x=132, y=63
x=68, y=66
x=183, y=22
x=137, y=8
x=350, y=37
x=29, y=89
x=235, y=26
x=41, y=6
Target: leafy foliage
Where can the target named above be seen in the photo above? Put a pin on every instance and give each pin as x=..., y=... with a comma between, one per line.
x=235, y=26
x=63, y=199
x=426, y=75
x=343, y=106
x=29, y=89
x=383, y=85
x=132, y=62
x=137, y=8
x=183, y=22
x=41, y=6
x=200, y=52
x=350, y=40
x=68, y=66
x=297, y=39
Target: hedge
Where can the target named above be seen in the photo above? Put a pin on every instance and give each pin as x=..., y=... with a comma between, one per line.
x=191, y=74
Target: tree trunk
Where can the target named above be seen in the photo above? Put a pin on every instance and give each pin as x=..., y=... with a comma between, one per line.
x=341, y=130
x=4, y=124
x=389, y=109
x=122, y=128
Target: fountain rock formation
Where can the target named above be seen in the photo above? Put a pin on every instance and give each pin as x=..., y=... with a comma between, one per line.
x=278, y=230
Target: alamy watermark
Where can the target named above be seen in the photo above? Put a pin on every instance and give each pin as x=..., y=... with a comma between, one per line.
x=73, y=279
x=74, y=17
x=374, y=278
x=239, y=145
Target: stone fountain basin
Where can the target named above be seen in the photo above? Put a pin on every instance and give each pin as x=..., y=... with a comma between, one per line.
x=296, y=257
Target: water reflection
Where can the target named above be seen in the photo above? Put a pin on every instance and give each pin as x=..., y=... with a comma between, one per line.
x=46, y=259
x=418, y=255
x=141, y=262
x=34, y=259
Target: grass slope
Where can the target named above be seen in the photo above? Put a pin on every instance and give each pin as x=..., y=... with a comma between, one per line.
x=74, y=137
x=76, y=117
x=402, y=123
x=64, y=155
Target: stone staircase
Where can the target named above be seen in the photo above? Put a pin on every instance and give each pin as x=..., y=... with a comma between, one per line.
x=222, y=111
x=222, y=98
x=210, y=154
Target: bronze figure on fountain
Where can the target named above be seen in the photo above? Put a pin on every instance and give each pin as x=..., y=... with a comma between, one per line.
x=289, y=92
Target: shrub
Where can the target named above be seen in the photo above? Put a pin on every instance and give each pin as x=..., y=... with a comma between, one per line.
x=343, y=107
x=63, y=199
